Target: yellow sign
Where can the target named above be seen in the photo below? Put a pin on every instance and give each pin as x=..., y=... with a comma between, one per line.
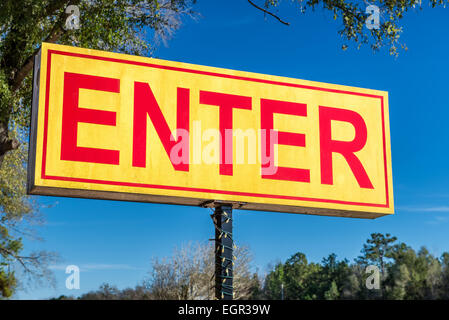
x=121, y=127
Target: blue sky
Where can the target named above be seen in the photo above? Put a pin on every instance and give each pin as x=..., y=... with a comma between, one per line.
x=114, y=242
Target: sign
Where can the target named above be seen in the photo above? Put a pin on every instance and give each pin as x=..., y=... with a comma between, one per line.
x=120, y=127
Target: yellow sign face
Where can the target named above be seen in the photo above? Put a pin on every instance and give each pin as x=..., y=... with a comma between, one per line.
x=120, y=127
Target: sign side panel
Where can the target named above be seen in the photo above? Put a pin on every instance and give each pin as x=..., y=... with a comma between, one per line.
x=388, y=165
x=33, y=124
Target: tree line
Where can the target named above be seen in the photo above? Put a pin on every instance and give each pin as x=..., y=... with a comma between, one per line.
x=404, y=273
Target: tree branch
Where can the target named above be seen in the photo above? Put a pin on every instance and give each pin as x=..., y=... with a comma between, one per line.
x=6, y=252
x=268, y=12
x=23, y=260
x=53, y=36
x=6, y=143
x=28, y=65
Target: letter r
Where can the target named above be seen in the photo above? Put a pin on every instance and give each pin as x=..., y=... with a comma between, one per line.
x=346, y=148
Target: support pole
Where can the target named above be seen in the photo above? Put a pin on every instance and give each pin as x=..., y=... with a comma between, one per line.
x=224, y=247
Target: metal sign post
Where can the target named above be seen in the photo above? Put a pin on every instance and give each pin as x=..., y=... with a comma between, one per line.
x=224, y=248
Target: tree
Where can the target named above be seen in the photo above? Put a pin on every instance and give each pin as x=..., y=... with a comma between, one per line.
x=398, y=282
x=413, y=275
x=255, y=288
x=332, y=293
x=352, y=287
x=18, y=215
x=334, y=277
x=303, y=280
x=105, y=292
x=111, y=292
x=298, y=278
x=188, y=274
x=444, y=285
x=274, y=283
x=377, y=250
x=407, y=274
x=354, y=14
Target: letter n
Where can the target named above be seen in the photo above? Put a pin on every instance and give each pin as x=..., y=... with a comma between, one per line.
x=145, y=104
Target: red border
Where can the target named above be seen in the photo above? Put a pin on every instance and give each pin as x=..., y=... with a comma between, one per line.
x=213, y=74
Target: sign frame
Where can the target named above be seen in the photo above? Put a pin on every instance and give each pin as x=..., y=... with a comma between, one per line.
x=34, y=189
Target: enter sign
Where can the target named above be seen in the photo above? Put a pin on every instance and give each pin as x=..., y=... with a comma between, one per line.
x=121, y=127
